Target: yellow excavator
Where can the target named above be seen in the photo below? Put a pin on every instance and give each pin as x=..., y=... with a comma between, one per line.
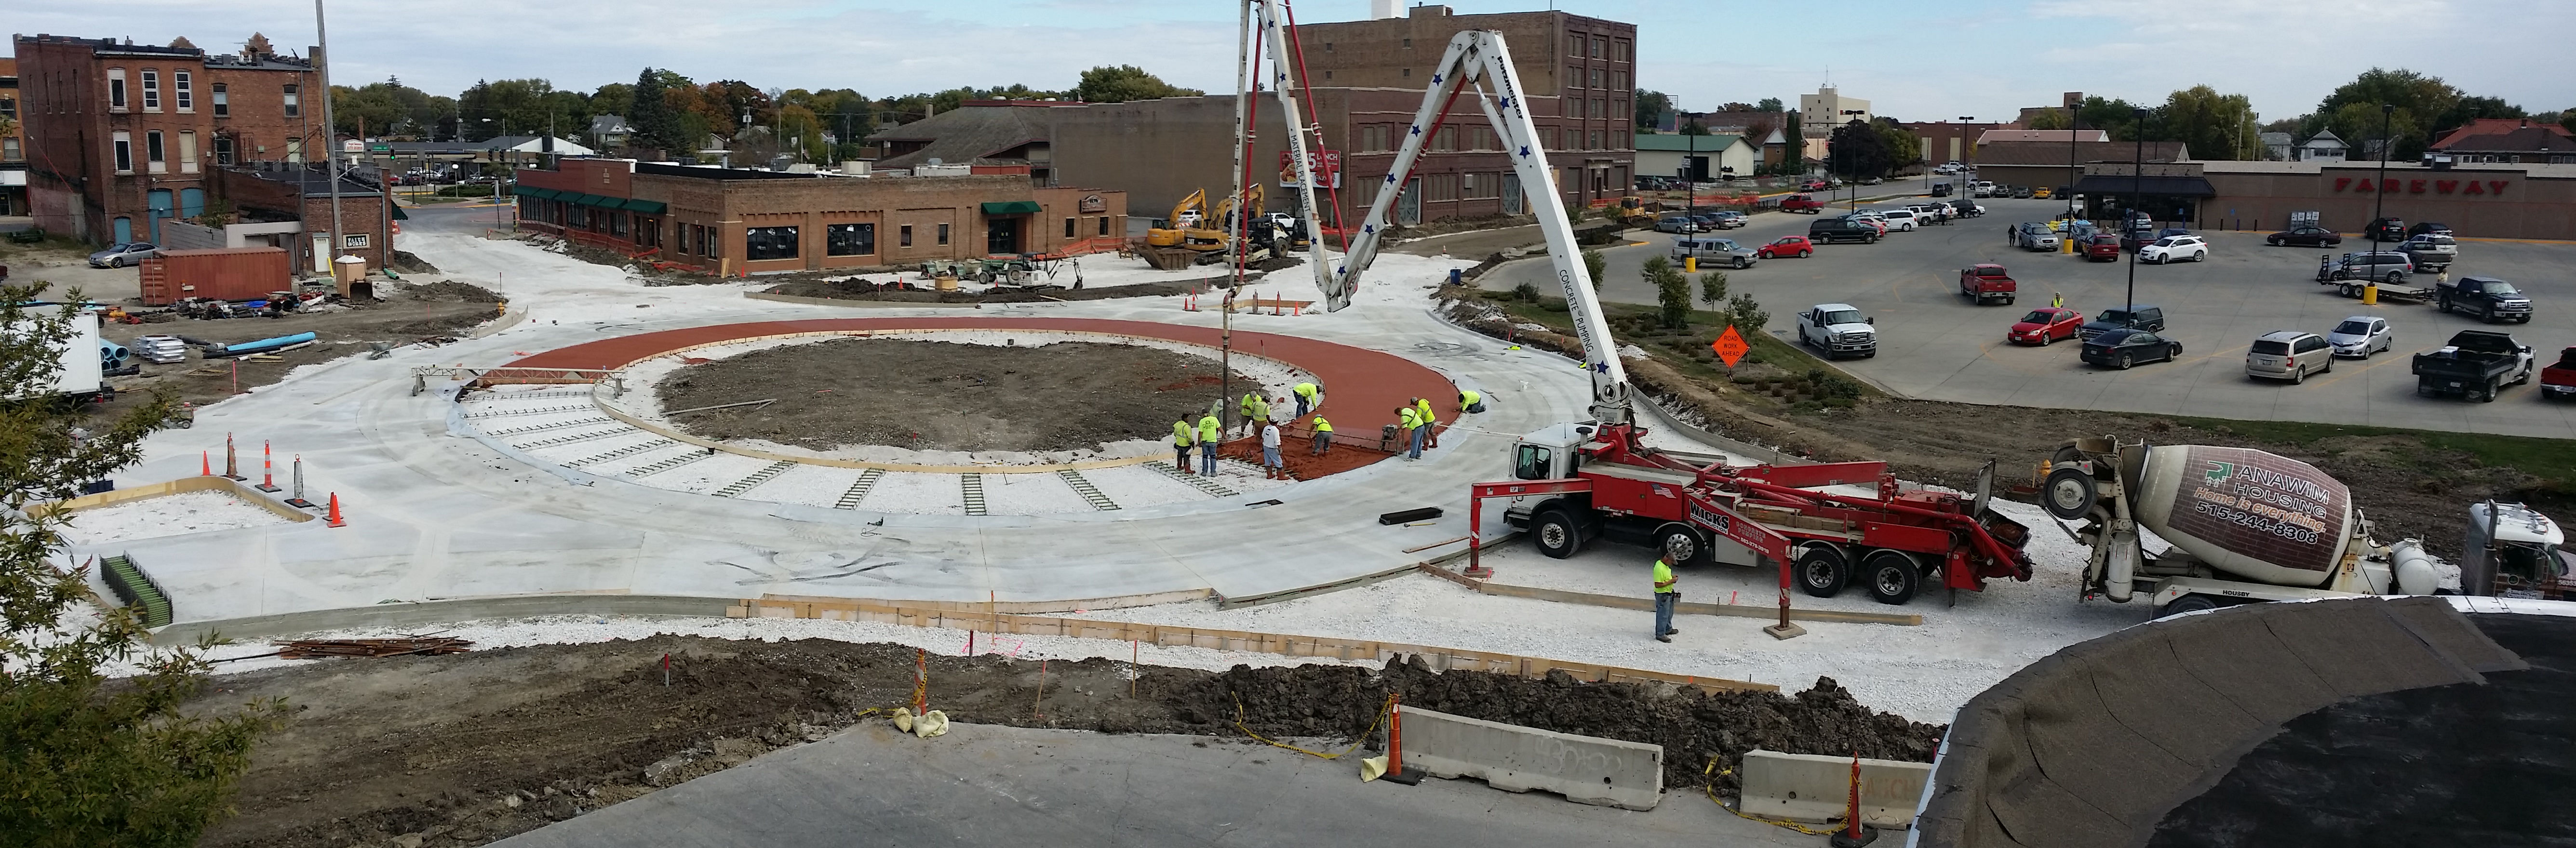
x=1175, y=230
x=1210, y=235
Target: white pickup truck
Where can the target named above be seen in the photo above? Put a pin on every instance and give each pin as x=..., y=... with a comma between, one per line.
x=1838, y=329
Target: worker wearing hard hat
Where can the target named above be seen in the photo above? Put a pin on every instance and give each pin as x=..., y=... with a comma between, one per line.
x=1408, y=427
x=1183, y=436
x=1211, y=431
x=1668, y=594
x=1307, y=399
x=1469, y=400
x=1323, y=435
x=1254, y=410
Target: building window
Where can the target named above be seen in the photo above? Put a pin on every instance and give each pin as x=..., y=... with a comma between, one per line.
x=223, y=101
x=1595, y=76
x=1408, y=72
x=849, y=239
x=187, y=151
x=124, y=152
x=1328, y=47
x=295, y=150
x=1619, y=80
x=183, y=91
x=759, y=243
x=223, y=150
x=1594, y=140
x=1328, y=74
x=943, y=234
x=1597, y=111
x=9, y=150
x=1408, y=44
x=9, y=107
x=1619, y=50
x=1446, y=139
x=1599, y=46
x=1574, y=76
x=294, y=100
x=151, y=91
x=1104, y=225
x=903, y=236
x=1068, y=228
x=1574, y=45
x=116, y=89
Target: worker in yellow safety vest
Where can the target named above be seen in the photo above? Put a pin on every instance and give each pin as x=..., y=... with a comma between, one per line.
x=1183, y=436
x=1668, y=594
x=1306, y=397
x=1323, y=435
x=1469, y=400
x=1254, y=410
x=1408, y=430
x=1423, y=418
x=1211, y=431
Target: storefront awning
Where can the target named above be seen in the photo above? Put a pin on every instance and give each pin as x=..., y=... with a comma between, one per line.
x=400, y=215
x=1012, y=207
x=648, y=207
x=525, y=189
x=547, y=194
x=2093, y=184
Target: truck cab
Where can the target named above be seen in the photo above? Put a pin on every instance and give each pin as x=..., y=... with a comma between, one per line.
x=1802, y=203
x=2512, y=551
x=1838, y=329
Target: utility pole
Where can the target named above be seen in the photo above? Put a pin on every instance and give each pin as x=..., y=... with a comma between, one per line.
x=2137, y=188
x=2379, y=193
x=330, y=133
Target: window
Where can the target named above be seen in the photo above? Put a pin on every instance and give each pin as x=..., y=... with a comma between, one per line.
x=9, y=151
x=849, y=239
x=187, y=152
x=1597, y=111
x=1593, y=140
x=1104, y=225
x=1446, y=139
x=1619, y=80
x=760, y=243
x=223, y=101
x=294, y=100
x=1408, y=44
x=1328, y=74
x=223, y=150
x=943, y=234
x=903, y=236
x=1440, y=187
x=1600, y=46
x=151, y=91
x=1533, y=463
x=1619, y=50
x=1574, y=45
x=295, y=150
x=1068, y=228
x=116, y=89
x=8, y=107
x=1595, y=77
x=1328, y=47
x=183, y=91
x=1408, y=72
x=1574, y=76
x=124, y=153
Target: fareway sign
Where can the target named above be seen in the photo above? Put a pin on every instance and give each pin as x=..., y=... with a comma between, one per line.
x=2393, y=185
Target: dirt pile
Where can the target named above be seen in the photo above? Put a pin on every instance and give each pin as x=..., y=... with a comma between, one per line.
x=945, y=396
x=475, y=747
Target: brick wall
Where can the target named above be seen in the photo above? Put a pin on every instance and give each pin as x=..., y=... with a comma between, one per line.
x=359, y=215
x=257, y=123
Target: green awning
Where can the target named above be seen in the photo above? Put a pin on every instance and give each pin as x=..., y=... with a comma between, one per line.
x=1012, y=207
x=400, y=215
x=583, y=199
x=546, y=194
x=525, y=189
x=648, y=207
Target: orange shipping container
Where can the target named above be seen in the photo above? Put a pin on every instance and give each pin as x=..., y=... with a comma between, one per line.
x=235, y=274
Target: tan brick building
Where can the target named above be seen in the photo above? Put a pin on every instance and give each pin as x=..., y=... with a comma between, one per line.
x=729, y=220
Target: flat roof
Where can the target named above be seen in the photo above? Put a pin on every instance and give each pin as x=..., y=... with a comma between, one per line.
x=2316, y=167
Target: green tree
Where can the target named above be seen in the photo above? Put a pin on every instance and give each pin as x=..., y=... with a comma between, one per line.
x=1769, y=104
x=2419, y=100
x=615, y=98
x=1595, y=264
x=1858, y=149
x=1903, y=147
x=1122, y=83
x=1712, y=289
x=1672, y=291
x=649, y=113
x=1651, y=108
x=83, y=760
x=802, y=130
x=2048, y=119
x=2362, y=125
x=2209, y=124
x=1745, y=315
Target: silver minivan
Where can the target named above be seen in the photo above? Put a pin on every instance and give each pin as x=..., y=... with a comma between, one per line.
x=2288, y=355
x=1717, y=250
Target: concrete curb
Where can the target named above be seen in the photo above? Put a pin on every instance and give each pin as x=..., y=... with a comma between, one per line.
x=858, y=304
x=1584, y=769
x=1814, y=788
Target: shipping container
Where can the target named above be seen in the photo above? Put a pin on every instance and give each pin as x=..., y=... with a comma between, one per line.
x=235, y=274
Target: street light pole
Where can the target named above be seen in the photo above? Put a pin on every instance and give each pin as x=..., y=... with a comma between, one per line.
x=330, y=140
x=2072, y=112
x=2137, y=189
x=2379, y=192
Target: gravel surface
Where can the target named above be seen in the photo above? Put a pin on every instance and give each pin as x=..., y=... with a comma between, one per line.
x=165, y=515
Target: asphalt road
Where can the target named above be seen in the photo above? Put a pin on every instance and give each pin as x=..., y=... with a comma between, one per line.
x=1934, y=345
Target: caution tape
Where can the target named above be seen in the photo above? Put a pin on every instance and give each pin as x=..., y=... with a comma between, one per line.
x=1711, y=787
x=1382, y=712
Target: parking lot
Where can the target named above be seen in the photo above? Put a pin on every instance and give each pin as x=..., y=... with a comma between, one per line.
x=1934, y=345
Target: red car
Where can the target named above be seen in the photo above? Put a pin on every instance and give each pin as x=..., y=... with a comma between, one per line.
x=1786, y=246
x=2045, y=324
x=2102, y=247
x=1814, y=185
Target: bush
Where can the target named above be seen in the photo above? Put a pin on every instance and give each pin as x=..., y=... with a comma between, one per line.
x=1526, y=292
x=1595, y=264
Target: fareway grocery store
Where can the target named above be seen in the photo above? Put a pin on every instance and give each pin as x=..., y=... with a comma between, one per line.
x=2524, y=201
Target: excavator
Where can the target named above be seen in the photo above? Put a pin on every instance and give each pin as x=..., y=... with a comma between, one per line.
x=1211, y=235
x=1174, y=231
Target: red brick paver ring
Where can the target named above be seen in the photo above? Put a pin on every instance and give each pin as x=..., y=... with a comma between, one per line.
x=1362, y=387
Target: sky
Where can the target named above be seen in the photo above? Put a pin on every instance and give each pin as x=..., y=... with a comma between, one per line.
x=1913, y=60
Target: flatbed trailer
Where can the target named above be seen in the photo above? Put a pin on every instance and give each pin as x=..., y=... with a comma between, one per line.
x=2398, y=292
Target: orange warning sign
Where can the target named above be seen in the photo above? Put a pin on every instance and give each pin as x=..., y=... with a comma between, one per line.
x=1729, y=346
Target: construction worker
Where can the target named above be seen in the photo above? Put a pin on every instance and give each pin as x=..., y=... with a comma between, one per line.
x=1469, y=400
x=1271, y=466
x=1668, y=594
x=1423, y=418
x=1306, y=397
x=1183, y=436
x=1211, y=431
x=1323, y=435
x=1252, y=408
x=1408, y=429
x=2056, y=300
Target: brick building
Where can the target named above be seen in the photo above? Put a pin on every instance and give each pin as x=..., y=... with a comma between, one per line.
x=2513, y=141
x=120, y=137
x=1368, y=78
x=13, y=148
x=1949, y=141
x=725, y=220
x=2506, y=201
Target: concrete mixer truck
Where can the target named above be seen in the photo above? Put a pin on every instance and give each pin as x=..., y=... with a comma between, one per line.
x=2244, y=525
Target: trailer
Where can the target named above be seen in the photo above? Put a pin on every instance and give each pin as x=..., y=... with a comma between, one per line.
x=2396, y=292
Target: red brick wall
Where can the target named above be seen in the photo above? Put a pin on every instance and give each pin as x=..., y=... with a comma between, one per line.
x=258, y=122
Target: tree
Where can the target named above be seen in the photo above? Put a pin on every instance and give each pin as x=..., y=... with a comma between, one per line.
x=1858, y=149
x=1712, y=289
x=615, y=98
x=1672, y=290
x=648, y=112
x=2360, y=125
x=1745, y=315
x=84, y=761
x=2209, y=124
x=1651, y=108
x=1122, y=83
x=799, y=127
x=1594, y=264
x=2048, y=119
x=1694, y=127
x=1768, y=104
x=2419, y=100
x=1903, y=147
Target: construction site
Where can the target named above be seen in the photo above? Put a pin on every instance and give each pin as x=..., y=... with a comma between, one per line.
x=1265, y=528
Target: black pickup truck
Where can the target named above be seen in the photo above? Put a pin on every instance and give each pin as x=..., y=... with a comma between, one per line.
x=2488, y=298
x=2476, y=364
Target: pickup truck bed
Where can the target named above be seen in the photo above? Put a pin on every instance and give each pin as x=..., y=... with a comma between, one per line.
x=2475, y=364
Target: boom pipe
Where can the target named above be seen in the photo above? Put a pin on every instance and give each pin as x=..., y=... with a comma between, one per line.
x=1977, y=534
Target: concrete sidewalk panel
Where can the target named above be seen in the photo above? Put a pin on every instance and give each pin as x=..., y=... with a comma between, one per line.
x=1584, y=769
x=1816, y=788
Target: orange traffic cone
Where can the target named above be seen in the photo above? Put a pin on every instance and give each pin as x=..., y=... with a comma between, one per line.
x=206, y=463
x=1853, y=834
x=336, y=521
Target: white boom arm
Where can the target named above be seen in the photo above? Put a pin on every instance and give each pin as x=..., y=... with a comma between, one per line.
x=1473, y=57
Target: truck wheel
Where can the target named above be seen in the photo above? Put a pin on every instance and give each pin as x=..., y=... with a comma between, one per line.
x=1823, y=571
x=2488, y=396
x=2187, y=604
x=2445, y=304
x=1557, y=535
x=2068, y=493
x=1683, y=546
x=1892, y=575
x=1740, y=264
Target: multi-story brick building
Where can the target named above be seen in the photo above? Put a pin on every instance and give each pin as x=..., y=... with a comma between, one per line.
x=13, y=148
x=1367, y=80
x=725, y=220
x=120, y=137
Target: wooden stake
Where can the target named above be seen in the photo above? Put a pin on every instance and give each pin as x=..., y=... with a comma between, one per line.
x=1037, y=706
x=1132, y=670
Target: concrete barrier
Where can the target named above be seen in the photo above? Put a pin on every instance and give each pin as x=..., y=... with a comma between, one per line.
x=1813, y=788
x=1584, y=769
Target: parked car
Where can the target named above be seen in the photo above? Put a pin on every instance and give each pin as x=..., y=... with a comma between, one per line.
x=2360, y=336
x=2021, y=191
x=1869, y=181
x=2489, y=298
x=2040, y=193
x=2101, y=247
x=1901, y=220
x=1676, y=223
x=1720, y=251
x=1838, y=329
x=2431, y=251
x=2175, y=248
x=2304, y=235
x=1869, y=219
x=1983, y=189
x=2385, y=229
x=2476, y=363
x=2386, y=266
x=2130, y=317
x=122, y=254
x=1730, y=219
x=2033, y=236
x=2288, y=355
x=1940, y=189
x=1814, y=185
x=2123, y=348
x=1807, y=204
x=2045, y=324
x=2559, y=381
x=2430, y=228
x=1705, y=221
x=1830, y=230
x=1786, y=246
x=1967, y=208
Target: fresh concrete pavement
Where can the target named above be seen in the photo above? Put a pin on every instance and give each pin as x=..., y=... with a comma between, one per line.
x=1935, y=346
x=994, y=785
